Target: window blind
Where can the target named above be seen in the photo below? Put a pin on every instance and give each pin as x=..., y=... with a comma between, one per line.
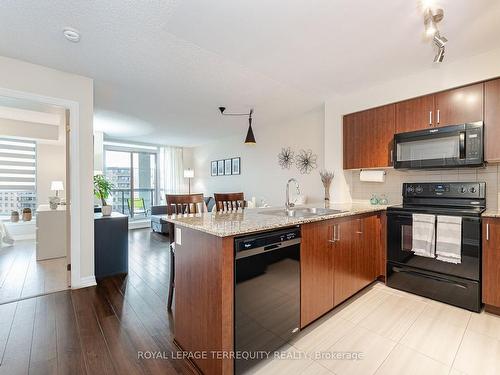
x=17, y=165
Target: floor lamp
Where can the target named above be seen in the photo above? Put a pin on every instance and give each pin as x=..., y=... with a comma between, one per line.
x=189, y=174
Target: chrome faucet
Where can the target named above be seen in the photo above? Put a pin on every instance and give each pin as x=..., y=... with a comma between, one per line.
x=289, y=205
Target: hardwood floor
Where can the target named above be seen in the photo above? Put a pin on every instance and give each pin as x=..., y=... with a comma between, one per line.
x=21, y=276
x=98, y=330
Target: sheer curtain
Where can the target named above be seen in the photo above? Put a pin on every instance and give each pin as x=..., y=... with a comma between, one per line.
x=171, y=171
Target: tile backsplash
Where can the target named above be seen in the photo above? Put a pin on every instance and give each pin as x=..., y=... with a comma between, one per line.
x=392, y=187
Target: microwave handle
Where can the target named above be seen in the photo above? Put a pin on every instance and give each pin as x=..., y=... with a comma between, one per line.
x=461, y=140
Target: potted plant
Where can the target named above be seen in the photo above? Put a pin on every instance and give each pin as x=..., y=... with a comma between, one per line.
x=102, y=191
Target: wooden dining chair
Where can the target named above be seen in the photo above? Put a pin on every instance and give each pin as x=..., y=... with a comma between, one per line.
x=180, y=204
x=229, y=201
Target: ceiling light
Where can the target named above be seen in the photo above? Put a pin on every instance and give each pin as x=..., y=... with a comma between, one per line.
x=439, y=55
x=71, y=34
x=250, y=138
x=439, y=40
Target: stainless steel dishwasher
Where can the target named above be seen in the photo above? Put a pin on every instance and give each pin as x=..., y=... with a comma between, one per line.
x=266, y=294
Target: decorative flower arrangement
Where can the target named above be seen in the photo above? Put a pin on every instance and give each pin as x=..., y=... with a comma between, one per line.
x=286, y=157
x=326, y=179
x=306, y=161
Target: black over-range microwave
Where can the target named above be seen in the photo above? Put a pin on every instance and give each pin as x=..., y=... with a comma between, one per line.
x=445, y=147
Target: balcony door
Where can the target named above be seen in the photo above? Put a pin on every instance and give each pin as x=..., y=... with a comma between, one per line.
x=133, y=174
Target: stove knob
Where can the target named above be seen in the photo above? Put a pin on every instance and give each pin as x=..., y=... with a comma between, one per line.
x=419, y=189
x=410, y=189
x=463, y=190
x=472, y=190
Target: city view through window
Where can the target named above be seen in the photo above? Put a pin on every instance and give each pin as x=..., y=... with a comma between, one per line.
x=133, y=175
x=17, y=175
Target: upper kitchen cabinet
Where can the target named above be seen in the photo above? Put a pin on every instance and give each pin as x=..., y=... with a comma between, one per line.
x=415, y=114
x=459, y=106
x=492, y=120
x=368, y=138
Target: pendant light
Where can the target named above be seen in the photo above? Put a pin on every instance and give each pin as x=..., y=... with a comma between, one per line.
x=250, y=138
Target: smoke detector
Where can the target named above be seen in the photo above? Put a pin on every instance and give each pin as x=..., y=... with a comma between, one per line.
x=71, y=34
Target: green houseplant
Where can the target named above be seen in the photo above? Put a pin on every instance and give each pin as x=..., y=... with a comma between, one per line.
x=102, y=191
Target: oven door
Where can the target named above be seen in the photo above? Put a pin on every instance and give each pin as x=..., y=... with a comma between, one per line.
x=400, y=241
x=449, y=146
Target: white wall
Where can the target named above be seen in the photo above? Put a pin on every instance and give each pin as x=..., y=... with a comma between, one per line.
x=261, y=176
x=440, y=77
x=20, y=79
x=50, y=166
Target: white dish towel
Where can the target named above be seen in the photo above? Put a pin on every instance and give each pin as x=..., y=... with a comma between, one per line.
x=424, y=235
x=449, y=239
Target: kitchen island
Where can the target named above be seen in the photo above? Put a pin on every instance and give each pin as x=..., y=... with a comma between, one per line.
x=204, y=270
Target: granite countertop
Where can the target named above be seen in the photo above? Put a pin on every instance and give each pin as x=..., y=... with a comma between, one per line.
x=253, y=220
x=491, y=213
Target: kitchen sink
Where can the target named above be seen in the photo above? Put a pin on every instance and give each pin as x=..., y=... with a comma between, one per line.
x=302, y=212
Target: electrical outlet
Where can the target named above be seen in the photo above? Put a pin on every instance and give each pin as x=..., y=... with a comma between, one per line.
x=178, y=236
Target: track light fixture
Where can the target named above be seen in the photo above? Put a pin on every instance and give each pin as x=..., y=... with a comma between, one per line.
x=439, y=55
x=439, y=40
x=431, y=19
x=250, y=138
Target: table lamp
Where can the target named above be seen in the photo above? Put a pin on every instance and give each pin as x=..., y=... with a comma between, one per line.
x=57, y=186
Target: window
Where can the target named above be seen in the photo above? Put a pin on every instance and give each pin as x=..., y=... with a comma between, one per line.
x=17, y=175
x=133, y=172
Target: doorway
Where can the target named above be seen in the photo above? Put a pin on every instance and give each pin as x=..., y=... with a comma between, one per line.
x=34, y=214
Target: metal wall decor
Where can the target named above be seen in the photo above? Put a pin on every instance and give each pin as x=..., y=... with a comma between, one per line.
x=286, y=157
x=306, y=161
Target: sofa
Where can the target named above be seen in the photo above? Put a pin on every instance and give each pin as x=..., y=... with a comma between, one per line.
x=160, y=225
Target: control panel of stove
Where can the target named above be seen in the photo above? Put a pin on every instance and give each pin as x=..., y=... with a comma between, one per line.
x=445, y=189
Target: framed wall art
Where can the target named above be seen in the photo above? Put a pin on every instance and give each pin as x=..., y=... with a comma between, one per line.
x=227, y=167
x=235, y=164
x=213, y=168
x=220, y=167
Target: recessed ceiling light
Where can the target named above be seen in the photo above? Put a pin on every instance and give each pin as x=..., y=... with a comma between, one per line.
x=71, y=34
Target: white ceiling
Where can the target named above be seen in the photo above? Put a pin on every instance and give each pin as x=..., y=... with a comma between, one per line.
x=161, y=68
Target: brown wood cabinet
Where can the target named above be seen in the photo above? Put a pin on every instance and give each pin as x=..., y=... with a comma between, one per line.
x=492, y=120
x=339, y=257
x=316, y=269
x=459, y=106
x=368, y=138
x=414, y=114
x=344, y=277
x=368, y=134
x=491, y=264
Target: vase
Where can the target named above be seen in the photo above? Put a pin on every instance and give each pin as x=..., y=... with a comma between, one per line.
x=106, y=210
x=327, y=196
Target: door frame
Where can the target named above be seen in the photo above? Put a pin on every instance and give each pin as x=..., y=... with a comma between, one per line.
x=72, y=184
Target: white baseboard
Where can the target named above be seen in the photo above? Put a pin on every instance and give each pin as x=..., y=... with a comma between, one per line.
x=85, y=282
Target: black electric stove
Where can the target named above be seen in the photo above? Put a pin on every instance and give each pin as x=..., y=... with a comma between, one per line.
x=456, y=284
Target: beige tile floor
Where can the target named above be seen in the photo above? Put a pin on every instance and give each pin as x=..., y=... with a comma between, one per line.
x=397, y=333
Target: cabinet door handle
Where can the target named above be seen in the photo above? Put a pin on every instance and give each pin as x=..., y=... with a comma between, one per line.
x=438, y=116
x=487, y=232
x=338, y=232
x=333, y=240
x=360, y=226
x=430, y=118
